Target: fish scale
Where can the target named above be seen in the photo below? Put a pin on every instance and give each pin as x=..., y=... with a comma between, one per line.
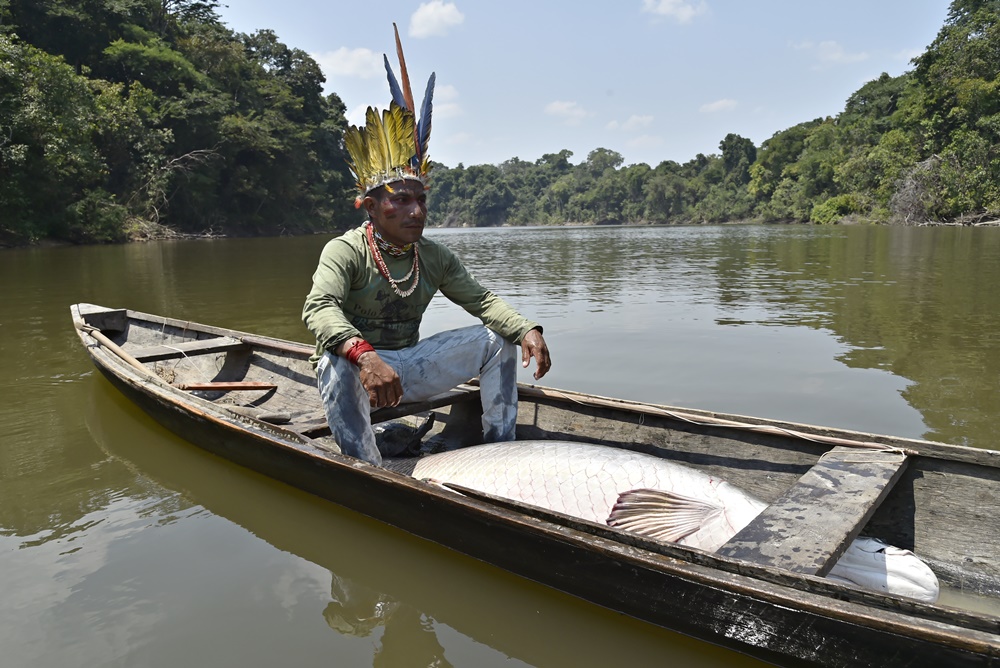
x=586, y=481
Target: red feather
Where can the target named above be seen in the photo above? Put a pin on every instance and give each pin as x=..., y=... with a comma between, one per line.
x=407, y=93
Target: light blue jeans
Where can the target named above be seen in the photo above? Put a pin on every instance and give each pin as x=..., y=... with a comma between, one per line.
x=435, y=365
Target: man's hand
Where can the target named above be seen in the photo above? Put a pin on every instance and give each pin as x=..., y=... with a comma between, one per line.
x=378, y=378
x=533, y=345
x=381, y=381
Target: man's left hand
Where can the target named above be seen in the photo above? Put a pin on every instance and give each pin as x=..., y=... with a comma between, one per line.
x=533, y=345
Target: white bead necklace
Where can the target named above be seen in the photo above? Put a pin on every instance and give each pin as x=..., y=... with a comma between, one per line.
x=384, y=270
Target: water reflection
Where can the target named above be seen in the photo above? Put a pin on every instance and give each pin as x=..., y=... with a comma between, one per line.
x=408, y=636
x=121, y=545
x=391, y=599
x=916, y=304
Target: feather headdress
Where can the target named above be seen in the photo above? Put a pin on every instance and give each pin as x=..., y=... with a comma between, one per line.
x=392, y=146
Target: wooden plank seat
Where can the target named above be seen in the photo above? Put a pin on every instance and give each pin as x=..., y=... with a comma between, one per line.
x=314, y=424
x=437, y=401
x=186, y=348
x=808, y=528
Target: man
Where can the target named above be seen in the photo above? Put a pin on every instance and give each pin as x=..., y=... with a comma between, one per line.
x=374, y=283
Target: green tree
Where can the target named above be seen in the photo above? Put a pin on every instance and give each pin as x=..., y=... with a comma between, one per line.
x=162, y=117
x=601, y=160
x=78, y=30
x=48, y=159
x=957, y=114
x=738, y=153
x=665, y=193
x=148, y=60
x=490, y=203
x=775, y=155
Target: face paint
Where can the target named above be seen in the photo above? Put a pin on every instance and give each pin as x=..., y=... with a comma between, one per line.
x=399, y=213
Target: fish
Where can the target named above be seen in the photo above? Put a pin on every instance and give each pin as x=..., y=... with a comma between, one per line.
x=654, y=497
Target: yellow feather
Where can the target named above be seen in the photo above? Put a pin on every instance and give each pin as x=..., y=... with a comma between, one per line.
x=399, y=133
x=378, y=154
x=355, y=144
x=382, y=149
x=388, y=122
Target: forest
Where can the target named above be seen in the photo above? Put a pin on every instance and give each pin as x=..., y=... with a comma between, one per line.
x=137, y=119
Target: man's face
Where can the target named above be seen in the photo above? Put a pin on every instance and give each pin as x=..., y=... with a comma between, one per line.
x=399, y=214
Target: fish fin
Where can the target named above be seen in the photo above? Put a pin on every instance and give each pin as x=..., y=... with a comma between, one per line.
x=660, y=515
x=873, y=564
x=440, y=484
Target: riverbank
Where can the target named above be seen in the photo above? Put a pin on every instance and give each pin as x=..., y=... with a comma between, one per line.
x=155, y=232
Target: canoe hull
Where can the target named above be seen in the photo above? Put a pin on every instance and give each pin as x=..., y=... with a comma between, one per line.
x=776, y=618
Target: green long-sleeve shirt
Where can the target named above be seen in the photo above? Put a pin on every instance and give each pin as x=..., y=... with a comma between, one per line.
x=349, y=296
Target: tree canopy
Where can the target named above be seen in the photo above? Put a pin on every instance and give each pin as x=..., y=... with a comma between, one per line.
x=123, y=118
x=127, y=118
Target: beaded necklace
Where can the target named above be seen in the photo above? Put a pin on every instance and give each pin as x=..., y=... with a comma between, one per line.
x=387, y=247
x=384, y=270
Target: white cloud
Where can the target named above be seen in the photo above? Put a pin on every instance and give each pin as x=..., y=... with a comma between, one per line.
x=830, y=52
x=434, y=18
x=634, y=122
x=344, y=62
x=445, y=102
x=724, y=104
x=679, y=10
x=645, y=141
x=356, y=115
x=571, y=112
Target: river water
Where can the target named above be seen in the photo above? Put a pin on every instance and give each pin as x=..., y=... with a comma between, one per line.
x=121, y=545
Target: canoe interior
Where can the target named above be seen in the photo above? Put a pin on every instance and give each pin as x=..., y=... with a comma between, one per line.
x=942, y=506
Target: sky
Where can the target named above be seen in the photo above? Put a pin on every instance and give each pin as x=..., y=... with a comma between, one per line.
x=653, y=80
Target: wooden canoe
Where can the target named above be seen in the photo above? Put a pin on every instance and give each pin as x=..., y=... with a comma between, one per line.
x=252, y=400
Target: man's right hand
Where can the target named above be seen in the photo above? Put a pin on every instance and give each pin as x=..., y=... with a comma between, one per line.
x=380, y=380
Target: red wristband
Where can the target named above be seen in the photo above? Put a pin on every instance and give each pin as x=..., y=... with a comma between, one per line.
x=357, y=349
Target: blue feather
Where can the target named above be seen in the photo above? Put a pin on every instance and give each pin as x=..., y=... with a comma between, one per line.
x=424, y=126
x=397, y=92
